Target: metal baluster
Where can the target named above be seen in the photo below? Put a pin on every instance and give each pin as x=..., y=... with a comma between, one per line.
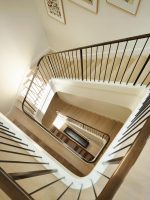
x=42, y=75
x=10, y=135
x=128, y=61
x=129, y=130
x=103, y=175
x=18, y=153
x=5, y=130
x=126, y=139
x=67, y=66
x=41, y=188
x=86, y=63
x=101, y=62
x=59, y=66
x=148, y=84
x=128, y=134
x=141, y=71
x=137, y=60
x=145, y=78
x=6, y=144
x=73, y=65
x=107, y=62
x=81, y=59
x=94, y=189
x=56, y=65
x=129, y=145
x=1, y=125
x=70, y=64
x=43, y=64
x=30, y=174
x=23, y=162
x=64, y=66
x=121, y=61
x=51, y=67
x=49, y=75
x=114, y=160
x=64, y=191
x=77, y=63
x=51, y=58
x=138, y=118
x=13, y=140
x=78, y=198
x=95, y=63
x=114, y=61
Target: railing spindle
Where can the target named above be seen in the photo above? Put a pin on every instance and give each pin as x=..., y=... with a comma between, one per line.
x=64, y=191
x=41, y=188
x=107, y=62
x=81, y=59
x=95, y=63
x=101, y=63
x=137, y=60
x=30, y=174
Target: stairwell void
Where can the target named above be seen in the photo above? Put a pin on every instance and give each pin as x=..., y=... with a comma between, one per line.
x=108, y=79
x=112, y=76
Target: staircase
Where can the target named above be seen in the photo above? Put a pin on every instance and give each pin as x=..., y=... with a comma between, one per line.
x=122, y=62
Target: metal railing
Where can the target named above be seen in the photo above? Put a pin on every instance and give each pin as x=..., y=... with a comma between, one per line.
x=122, y=155
x=124, y=61
x=99, y=62
x=127, y=150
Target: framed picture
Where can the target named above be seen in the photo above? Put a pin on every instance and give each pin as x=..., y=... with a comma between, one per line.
x=130, y=6
x=55, y=9
x=91, y=5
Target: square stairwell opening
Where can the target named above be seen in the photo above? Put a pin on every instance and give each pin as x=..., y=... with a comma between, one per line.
x=98, y=107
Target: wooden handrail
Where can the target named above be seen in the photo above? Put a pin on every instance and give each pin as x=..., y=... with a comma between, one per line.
x=11, y=188
x=126, y=164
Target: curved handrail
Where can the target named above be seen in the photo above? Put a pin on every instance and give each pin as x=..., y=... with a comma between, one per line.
x=70, y=64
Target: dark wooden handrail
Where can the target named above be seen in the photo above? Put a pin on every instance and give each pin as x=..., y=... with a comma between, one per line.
x=11, y=188
x=126, y=164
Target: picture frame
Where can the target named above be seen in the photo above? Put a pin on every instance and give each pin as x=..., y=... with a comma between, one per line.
x=91, y=5
x=130, y=6
x=55, y=10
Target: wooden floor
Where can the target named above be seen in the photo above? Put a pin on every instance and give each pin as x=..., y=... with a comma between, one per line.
x=106, y=125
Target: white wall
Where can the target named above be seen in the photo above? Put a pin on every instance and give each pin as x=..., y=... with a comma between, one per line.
x=22, y=39
x=115, y=102
x=83, y=27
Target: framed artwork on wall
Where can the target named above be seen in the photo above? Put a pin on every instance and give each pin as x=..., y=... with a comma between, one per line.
x=91, y=5
x=55, y=10
x=130, y=6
